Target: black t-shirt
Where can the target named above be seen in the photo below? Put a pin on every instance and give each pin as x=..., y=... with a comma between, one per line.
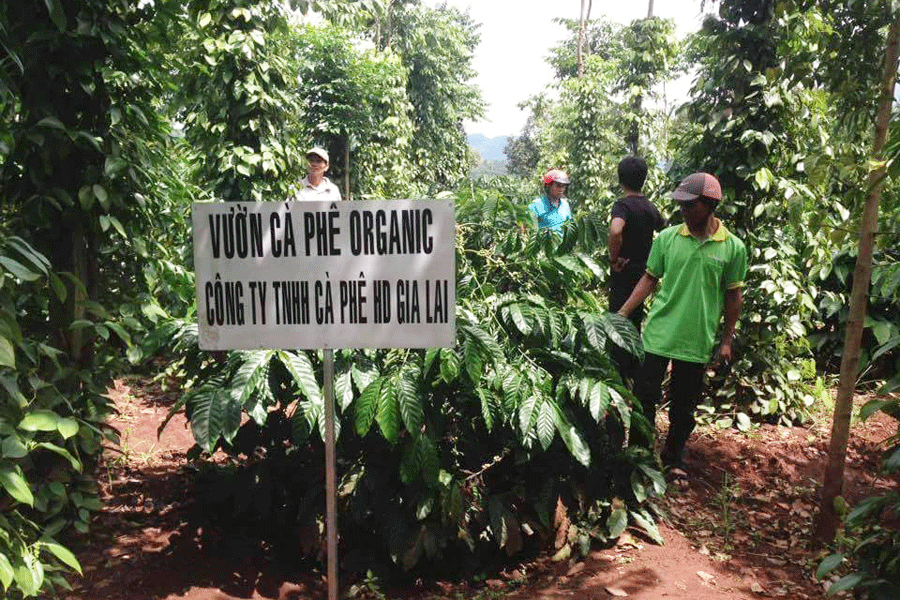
x=641, y=219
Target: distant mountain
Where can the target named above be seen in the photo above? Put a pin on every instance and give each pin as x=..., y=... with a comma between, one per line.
x=489, y=148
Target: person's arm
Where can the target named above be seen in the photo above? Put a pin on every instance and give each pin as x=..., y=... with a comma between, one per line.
x=734, y=300
x=644, y=288
x=616, y=230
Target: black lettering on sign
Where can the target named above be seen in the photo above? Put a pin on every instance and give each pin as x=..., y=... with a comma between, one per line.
x=236, y=233
x=321, y=227
x=323, y=302
x=258, y=290
x=291, y=302
x=224, y=302
x=408, y=301
x=436, y=301
x=274, y=235
x=256, y=235
x=398, y=232
x=381, y=300
x=304, y=302
x=353, y=301
x=290, y=248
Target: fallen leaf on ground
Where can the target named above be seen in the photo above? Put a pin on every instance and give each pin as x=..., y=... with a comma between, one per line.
x=757, y=589
x=616, y=591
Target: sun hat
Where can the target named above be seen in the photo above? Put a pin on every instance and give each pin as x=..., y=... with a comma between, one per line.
x=316, y=151
x=556, y=175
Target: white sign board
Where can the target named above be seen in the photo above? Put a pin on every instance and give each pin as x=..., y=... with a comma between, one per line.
x=306, y=275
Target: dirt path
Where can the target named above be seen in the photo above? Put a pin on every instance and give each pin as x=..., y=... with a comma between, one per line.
x=735, y=529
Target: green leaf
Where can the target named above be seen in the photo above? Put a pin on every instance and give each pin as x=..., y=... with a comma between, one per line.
x=546, y=423
x=520, y=320
x=638, y=487
x=7, y=353
x=299, y=427
x=14, y=448
x=571, y=437
x=484, y=340
x=366, y=406
x=40, y=420
x=617, y=522
x=117, y=225
x=12, y=479
x=449, y=365
x=86, y=197
x=410, y=461
x=251, y=374
x=526, y=414
x=74, y=462
x=207, y=414
x=19, y=270
x=113, y=166
x=430, y=462
x=6, y=571
x=848, y=582
x=63, y=554
x=645, y=522
x=599, y=401
x=59, y=288
x=343, y=390
x=659, y=482
x=829, y=564
x=24, y=576
x=870, y=408
x=51, y=122
x=623, y=334
x=67, y=427
x=593, y=331
x=473, y=361
x=488, y=409
x=430, y=355
x=388, y=416
x=301, y=369
x=410, y=405
x=101, y=195
x=57, y=14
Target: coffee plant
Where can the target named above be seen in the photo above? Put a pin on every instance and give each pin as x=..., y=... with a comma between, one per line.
x=502, y=441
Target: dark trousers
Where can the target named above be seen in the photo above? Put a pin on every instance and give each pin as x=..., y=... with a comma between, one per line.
x=685, y=387
x=620, y=287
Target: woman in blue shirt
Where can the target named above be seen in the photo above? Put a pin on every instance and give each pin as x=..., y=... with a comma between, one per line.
x=552, y=209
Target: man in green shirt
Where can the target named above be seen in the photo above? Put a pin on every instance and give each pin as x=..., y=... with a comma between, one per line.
x=702, y=266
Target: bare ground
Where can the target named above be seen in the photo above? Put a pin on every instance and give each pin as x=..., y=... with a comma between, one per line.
x=737, y=527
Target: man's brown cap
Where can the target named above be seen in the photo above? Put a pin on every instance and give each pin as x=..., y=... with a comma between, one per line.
x=696, y=185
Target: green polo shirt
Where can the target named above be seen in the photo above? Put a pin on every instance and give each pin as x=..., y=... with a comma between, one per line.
x=685, y=315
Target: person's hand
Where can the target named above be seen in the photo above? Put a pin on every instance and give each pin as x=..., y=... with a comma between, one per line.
x=725, y=351
x=619, y=264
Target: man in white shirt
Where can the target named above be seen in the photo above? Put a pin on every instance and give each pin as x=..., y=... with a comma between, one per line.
x=315, y=186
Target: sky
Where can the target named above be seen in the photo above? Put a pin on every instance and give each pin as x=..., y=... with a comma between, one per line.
x=516, y=36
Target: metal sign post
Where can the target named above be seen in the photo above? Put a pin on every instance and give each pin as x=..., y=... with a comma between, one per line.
x=331, y=527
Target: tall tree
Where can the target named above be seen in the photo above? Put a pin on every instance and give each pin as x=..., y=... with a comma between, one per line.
x=828, y=517
x=437, y=46
x=584, y=17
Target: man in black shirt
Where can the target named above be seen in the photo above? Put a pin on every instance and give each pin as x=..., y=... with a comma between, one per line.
x=634, y=219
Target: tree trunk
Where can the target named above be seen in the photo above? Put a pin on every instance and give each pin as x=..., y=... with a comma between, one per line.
x=347, y=169
x=650, y=10
x=828, y=519
x=584, y=17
